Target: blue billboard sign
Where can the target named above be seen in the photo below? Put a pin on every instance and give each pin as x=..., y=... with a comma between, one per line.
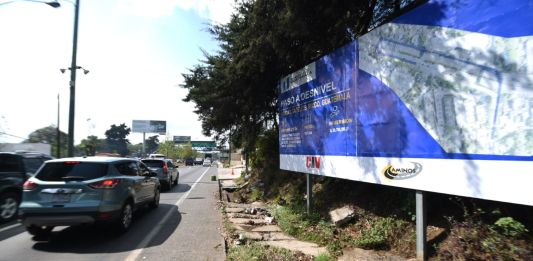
x=439, y=99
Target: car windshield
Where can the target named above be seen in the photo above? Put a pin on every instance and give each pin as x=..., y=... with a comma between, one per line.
x=32, y=164
x=60, y=171
x=153, y=163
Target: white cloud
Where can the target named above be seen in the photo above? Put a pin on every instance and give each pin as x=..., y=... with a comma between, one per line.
x=217, y=11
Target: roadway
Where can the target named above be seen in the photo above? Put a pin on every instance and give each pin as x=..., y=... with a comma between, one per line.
x=186, y=226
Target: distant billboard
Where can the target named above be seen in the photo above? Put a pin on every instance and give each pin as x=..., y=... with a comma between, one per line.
x=203, y=144
x=149, y=126
x=181, y=139
x=439, y=99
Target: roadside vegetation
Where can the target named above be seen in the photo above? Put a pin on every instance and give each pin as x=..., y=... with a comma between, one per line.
x=384, y=217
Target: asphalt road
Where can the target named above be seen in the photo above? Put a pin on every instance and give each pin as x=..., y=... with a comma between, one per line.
x=186, y=226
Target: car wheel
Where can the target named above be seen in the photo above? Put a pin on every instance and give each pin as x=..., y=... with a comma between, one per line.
x=155, y=202
x=175, y=181
x=126, y=216
x=9, y=205
x=39, y=232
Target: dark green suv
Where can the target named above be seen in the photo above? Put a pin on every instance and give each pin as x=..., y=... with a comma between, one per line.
x=15, y=168
x=86, y=190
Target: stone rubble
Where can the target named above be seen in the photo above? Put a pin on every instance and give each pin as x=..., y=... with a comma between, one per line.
x=254, y=223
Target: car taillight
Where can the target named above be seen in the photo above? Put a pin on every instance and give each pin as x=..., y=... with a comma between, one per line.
x=72, y=162
x=105, y=184
x=29, y=185
x=165, y=168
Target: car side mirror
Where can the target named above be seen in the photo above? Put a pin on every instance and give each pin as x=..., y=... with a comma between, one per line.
x=148, y=173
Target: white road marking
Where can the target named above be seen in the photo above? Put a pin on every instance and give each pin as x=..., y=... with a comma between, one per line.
x=10, y=227
x=135, y=253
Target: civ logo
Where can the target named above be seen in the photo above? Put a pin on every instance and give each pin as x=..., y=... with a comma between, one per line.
x=312, y=162
x=402, y=172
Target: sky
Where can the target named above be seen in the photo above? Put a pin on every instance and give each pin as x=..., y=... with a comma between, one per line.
x=135, y=50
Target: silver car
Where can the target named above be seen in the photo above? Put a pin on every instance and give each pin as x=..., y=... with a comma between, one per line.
x=167, y=172
x=74, y=191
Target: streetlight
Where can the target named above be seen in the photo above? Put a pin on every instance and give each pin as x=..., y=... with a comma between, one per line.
x=72, y=83
x=52, y=4
x=73, y=68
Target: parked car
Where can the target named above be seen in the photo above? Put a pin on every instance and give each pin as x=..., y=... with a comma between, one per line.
x=167, y=172
x=207, y=163
x=15, y=168
x=189, y=162
x=74, y=191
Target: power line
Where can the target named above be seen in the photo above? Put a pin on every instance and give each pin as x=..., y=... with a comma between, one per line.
x=1, y=132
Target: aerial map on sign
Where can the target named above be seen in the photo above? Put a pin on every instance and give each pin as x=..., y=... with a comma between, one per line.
x=472, y=92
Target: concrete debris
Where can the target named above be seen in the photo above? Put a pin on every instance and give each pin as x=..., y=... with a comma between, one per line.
x=357, y=254
x=341, y=216
x=434, y=233
x=269, y=220
x=235, y=210
x=266, y=229
x=307, y=248
x=242, y=215
x=253, y=236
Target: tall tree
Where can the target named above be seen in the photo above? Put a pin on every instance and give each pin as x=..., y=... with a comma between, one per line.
x=49, y=135
x=89, y=145
x=235, y=89
x=151, y=143
x=186, y=151
x=169, y=149
x=116, y=139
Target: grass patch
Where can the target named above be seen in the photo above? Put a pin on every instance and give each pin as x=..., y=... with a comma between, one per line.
x=324, y=257
x=256, y=194
x=296, y=222
x=254, y=251
x=380, y=233
x=229, y=227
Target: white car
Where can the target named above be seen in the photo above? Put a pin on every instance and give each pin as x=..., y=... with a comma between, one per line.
x=207, y=163
x=156, y=156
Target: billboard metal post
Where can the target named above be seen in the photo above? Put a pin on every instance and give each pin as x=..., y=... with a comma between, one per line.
x=144, y=145
x=309, y=193
x=421, y=225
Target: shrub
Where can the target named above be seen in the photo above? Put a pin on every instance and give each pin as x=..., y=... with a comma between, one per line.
x=510, y=227
x=379, y=235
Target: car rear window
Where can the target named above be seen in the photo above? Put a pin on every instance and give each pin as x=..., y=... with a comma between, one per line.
x=153, y=163
x=60, y=171
x=9, y=163
x=32, y=164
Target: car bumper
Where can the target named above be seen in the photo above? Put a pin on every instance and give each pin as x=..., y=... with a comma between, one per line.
x=67, y=219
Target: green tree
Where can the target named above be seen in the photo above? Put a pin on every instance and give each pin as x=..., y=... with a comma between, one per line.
x=116, y=139
x=136, y=149
x=235, y=89
x=169, y=149
x=89, y=145
x=151, y=144
x=49, y=135
x=186, y=151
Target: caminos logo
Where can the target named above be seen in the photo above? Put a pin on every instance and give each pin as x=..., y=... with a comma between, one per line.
x=312, y=162
x=402, y=172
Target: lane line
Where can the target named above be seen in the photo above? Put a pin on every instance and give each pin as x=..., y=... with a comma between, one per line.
x=10, y=227
x=135, y=253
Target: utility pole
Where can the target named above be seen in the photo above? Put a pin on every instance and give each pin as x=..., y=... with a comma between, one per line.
x=58, y=142
x=73, y=69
